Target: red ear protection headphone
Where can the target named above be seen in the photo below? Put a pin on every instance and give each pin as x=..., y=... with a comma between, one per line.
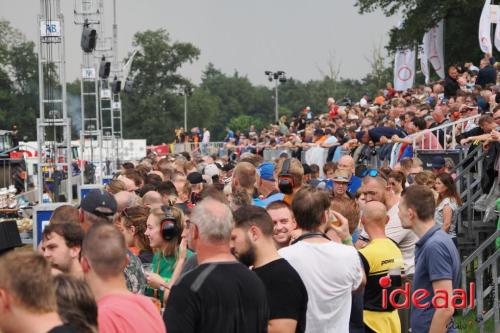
x=169, y=228
x=285, y=180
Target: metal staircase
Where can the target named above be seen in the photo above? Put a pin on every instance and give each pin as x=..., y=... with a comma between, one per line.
x=477, y=235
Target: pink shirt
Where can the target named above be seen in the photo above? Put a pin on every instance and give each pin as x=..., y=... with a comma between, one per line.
x=130, y=313
x=429, y=140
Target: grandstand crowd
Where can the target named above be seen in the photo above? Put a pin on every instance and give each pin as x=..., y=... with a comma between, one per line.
x=236, y=242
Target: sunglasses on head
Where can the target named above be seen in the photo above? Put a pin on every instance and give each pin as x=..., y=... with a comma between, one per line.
x=369, y=172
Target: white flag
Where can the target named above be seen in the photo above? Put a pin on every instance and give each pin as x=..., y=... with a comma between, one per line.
x=404, y=69
x=434, y=48
x=485, y=28
x=497, y=32
x=424, y=65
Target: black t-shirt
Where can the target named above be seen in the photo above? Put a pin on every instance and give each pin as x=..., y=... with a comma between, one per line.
x=286, y=293
x=66, y=328
x=217, y=297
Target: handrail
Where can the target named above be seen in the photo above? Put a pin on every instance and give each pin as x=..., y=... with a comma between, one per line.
x=467, y=159
x=482, y=315
x=481, y=248
x=436, y=131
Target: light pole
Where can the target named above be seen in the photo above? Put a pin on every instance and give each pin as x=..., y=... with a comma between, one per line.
x=184, y=91
x=278, y=76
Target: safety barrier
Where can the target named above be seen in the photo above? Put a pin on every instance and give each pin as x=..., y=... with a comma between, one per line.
x=449, y=131
x=209, y=148
x=481, y=268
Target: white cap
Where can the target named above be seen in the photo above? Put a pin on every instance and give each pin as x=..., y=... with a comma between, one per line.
x=211, y=170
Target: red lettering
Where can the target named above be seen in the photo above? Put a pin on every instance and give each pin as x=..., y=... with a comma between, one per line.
x=405, y=292
x=472, y=294
x=459, y=295
x=384, y=298
x=440, y=294
x=419, y=295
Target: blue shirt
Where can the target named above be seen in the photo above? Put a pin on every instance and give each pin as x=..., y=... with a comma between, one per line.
x=354, y=185
x=436, y=258
x=265, y=202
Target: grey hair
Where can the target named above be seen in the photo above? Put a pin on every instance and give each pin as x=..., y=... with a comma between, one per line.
x=214, y=220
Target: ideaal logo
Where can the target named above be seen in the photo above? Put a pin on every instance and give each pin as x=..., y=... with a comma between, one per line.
x=417, y=297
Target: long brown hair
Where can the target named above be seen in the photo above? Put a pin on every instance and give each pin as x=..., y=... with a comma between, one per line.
x=451, y=189
x=136, y=217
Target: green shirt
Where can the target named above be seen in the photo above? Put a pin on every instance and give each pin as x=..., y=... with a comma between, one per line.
x=166, y=270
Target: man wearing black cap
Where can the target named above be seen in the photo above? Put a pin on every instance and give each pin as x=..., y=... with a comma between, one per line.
x=100, y=206
x=196, y=180
x=97, y=206
x=438, y=165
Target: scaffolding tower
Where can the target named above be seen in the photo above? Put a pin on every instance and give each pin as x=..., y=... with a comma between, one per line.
x=54, y=173
x=105, y=50
x=87, y=14
x=117, y=71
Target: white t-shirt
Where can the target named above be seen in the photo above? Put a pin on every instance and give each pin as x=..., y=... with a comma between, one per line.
x=330, y=272
x=206, y=137
x=405, y=238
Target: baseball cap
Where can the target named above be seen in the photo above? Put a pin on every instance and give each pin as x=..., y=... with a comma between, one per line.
x=227, y=167
x=99, y=202
x=211, y=170
x=195, y=178
x=266, y=171
x=437, y=162
x=341, y=176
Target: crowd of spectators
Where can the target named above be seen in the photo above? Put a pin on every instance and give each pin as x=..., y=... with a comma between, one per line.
x=232, y=243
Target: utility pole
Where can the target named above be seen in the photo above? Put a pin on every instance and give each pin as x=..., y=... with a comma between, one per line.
x=278, y=77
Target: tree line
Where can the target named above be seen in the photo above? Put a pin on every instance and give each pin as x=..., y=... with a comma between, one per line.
x=154, y=109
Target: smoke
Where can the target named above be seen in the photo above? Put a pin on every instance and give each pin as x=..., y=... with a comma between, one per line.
x=74, y=112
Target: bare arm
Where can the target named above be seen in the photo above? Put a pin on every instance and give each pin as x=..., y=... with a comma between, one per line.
x=282, y=325
x=483, y=137
x=447, y=218
x=442, y=316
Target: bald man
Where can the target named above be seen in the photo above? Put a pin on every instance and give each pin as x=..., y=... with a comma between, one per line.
x=439, y=119
x=381, y=258
x=124, y=199
x=346, y=162
x=152, y=199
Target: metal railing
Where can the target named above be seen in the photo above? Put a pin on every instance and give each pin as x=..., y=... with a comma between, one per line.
x=210, y=148
x=449, y=131
x=481, y=267
x=468, y=184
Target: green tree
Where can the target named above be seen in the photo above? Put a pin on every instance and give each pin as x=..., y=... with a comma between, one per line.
x=243, y=122
x=236, y=96
x=18, y=81
x=151, y=111
x=461, y=24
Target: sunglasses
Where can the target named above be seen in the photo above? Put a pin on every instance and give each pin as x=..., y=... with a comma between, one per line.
x=369, y=172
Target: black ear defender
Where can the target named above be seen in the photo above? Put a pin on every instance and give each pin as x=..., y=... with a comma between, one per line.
x=169, y=228
x=285, y=180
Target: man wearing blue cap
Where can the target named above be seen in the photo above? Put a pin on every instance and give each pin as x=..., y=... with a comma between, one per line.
x=266, y=185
